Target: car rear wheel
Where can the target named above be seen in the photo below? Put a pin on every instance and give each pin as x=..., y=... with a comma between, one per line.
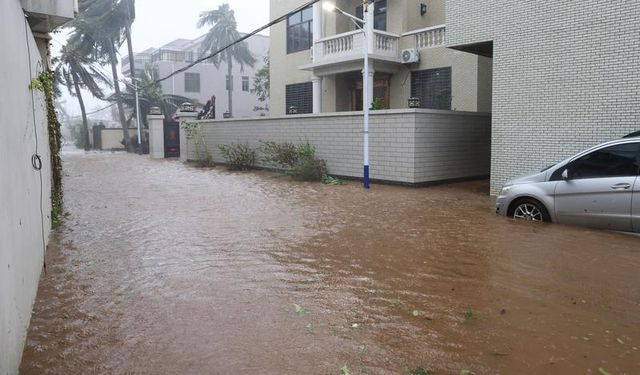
x=529, y=210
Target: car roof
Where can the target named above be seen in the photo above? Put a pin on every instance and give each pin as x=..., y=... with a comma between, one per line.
x=632, y=135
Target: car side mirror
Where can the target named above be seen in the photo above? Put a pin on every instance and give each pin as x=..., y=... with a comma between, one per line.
x=565, y=174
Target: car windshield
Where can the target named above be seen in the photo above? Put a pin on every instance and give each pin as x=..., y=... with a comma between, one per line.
x=547, y=168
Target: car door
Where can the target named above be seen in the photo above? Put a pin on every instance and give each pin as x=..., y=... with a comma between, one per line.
x=635, y=206
x=599, y=188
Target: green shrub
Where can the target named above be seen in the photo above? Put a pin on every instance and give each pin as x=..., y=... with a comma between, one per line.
x=282, y=155
x=238, y=156
x=307, y=166
x=193, y=132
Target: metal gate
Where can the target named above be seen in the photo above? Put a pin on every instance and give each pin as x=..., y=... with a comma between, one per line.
x=171, y=139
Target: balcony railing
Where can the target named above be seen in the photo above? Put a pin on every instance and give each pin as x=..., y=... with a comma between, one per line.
x=349, y=46
x=430, y=37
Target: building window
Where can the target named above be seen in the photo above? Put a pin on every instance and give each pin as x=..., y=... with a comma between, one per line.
x=379, y=15
x=433, y=87
x=229, y=83
x=299, y=98
x=245, y=83
x=192, y=82
x=300, y=30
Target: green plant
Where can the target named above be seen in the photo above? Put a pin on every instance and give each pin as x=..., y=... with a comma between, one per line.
x=238, y=156
x=328, y=180
x=307, y=166
x=468, y=314
x=377, y=104
x=418, y=371
x=193, y=132
x=282, y=155
x=44, y=82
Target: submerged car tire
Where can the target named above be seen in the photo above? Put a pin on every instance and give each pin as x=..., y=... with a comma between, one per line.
x=530, y=210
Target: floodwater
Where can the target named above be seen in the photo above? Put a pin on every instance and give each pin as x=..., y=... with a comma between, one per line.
x=162, y=268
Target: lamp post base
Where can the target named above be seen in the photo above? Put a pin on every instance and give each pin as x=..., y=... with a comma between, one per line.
x=366, y=176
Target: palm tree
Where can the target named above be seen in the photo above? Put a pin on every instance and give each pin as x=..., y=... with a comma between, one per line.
x=76, y=72
x=100, y=30
x=150, y=95
x=222, y=33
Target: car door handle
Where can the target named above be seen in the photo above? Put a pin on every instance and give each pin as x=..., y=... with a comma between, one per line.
x=621, y=186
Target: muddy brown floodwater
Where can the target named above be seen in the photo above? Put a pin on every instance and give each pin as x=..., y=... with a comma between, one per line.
x=162, y=268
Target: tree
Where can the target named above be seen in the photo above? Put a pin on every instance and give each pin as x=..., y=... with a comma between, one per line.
x=76, y=72
x=150, y=95
x=100, y=29
x=262, y=85
x=223, y=33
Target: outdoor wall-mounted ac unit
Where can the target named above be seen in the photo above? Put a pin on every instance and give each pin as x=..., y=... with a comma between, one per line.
x=410, y=56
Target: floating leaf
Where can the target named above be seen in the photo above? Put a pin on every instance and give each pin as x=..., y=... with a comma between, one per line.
x=299, y=309
x=604, y=372
x=619, y=340
x=344, y=370
x=466, y=372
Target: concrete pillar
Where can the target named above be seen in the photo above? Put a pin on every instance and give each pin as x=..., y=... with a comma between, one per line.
x=317, y=94
x=187, y=148
x=317, y=26
x=156, y=136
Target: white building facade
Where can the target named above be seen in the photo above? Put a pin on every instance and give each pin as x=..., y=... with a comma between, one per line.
x=204, y=80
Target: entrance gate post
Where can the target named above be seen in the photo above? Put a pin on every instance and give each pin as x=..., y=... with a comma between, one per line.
x=156, y=136
x=186, y=114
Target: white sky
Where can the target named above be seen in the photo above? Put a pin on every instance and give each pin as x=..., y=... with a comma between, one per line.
x=160, y=21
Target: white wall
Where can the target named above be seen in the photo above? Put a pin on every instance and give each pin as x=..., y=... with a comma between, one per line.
x=21, y=250
x=411, y=146
x=565, y=75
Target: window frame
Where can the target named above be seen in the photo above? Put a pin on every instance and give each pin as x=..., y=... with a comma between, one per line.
x=191, y=74
x=296, y=27
x=448, y=70
x=304, y=96
x=246, y=83
x=581, y=159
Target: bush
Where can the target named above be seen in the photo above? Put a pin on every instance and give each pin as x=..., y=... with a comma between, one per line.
x=282, y=155
x=238, y=156
x=193, y=132
x=307, y=167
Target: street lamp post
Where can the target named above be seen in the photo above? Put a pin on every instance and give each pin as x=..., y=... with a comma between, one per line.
x=362, y=25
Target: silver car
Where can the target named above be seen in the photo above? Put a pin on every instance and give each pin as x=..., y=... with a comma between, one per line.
x=597, y=188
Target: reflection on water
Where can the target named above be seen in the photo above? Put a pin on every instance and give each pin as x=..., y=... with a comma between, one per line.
x=162, y=268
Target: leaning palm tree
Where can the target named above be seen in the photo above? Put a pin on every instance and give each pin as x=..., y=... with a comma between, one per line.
x=223, y=33
x=76, y=72
x=99, y=30
x=150, y=95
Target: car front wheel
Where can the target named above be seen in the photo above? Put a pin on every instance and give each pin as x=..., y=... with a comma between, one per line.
x=529, y=210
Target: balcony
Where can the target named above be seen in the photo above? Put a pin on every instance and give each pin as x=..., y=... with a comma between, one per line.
x=429, y=37
x=345, y=50
x=350, y=47
x=47, y=15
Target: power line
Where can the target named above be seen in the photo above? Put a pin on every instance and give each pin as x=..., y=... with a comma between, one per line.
x=247, y=36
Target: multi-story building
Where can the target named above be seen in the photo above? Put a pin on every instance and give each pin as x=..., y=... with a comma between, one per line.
x=317, y=59
x=205, y=79
x=566, y=75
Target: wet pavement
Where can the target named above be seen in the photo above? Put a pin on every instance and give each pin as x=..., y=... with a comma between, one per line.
x=164, y=268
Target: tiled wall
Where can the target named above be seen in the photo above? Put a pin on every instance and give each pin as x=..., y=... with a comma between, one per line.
x=406, y=146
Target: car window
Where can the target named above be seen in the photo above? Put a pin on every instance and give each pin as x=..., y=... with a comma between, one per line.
x=614, y=161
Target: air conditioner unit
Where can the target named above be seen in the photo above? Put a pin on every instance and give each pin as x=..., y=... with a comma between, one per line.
x=410, y=55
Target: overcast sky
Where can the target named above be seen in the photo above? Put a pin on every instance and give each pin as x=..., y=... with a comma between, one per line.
x=160, y=21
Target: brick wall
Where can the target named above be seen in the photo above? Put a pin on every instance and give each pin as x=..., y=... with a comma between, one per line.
x=407, y=146
x=566, y=75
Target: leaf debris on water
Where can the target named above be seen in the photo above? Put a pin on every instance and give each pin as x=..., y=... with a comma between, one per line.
x=602, y=371
x=299, y=309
